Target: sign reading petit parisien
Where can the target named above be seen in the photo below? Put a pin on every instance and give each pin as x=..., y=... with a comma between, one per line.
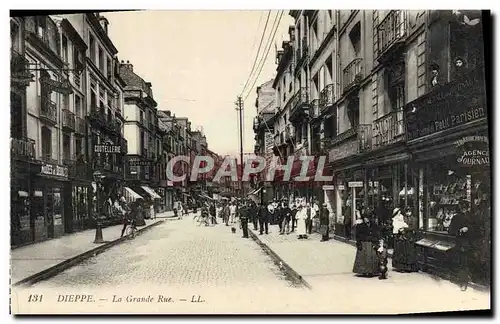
x=473, y=150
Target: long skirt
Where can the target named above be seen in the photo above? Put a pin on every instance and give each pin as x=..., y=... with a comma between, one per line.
x=404, y=257
x=366, y=262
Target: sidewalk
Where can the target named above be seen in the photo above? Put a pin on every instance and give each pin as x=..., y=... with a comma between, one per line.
x=34, y=258
x=327, y=267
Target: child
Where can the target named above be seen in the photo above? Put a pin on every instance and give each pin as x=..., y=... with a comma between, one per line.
x=382, y=259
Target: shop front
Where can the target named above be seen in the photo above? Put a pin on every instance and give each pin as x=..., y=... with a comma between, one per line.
x=448, y=136
x=47, y=202
x=348, y=181
x=22, y=224
x=78, y=194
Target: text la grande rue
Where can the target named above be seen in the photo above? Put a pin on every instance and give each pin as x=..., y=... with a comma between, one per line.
x=152, y=299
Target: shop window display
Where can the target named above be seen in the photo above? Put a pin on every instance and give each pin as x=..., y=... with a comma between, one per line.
x=444, y=195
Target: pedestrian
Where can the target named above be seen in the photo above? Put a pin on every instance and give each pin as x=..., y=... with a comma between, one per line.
x=232, y=210
x=243, y=215
x=262, y=214
x=212, y=214
x=367, y=238
x=464, y=228
x=324, y=222
x=309, y=216
x=205, y=214
x=129, y=216
x=302, y=222
x=226, y=213
x=404, y=257
x=285, y=218
x=293, y=216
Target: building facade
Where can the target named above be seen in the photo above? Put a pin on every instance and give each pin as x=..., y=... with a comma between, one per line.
x=141, y=123
x=403, y=125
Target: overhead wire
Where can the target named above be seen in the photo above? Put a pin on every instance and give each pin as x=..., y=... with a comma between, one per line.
x=258, y=50
x=269, y=43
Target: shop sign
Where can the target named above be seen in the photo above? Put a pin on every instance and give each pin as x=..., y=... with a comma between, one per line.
x=343, y=150
x=355, y=184
x=107, y=148
x=473, y=150
x=54, y=170
x=341, y=187
x=64, y=87
x=328, y=187
x=459, y=102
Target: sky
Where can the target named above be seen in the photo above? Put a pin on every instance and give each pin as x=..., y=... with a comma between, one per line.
x=198, y=63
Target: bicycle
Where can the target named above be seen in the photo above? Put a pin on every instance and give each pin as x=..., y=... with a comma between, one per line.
x=131, y=230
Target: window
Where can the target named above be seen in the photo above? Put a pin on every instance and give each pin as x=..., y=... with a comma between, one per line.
x=92, y=48
x=101, y=60
x=355, y=37
x=142, y=117
x=66, y=146
x=109, y=68
x=78, y=106
x=15, y=37
x=65, y=102
x=77, y=58
x=64, y=53
x=78, y=146
x=46, y=143
x=93, y=100
x=16, y=104
x=41, y=27
x=142, y=140
x=109, y=115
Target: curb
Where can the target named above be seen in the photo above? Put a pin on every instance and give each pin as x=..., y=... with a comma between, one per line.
x=288, y=270
x=60, y=267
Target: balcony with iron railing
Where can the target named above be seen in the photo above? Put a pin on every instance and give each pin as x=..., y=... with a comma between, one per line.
x=361, y=133
x=22, y=148
x=315, y=108
x=299, y=105
x=352, y=75
x=326, y=97
x=388, y=129
x=68, y=159
x=98, y=115
x=69, y=120
x=391, y=33
x=48, y=111
x=80, y=126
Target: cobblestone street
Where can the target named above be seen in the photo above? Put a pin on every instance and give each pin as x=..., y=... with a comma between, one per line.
x=177, y=253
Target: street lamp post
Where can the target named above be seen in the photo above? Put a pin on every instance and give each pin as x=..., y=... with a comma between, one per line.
x=98, y=229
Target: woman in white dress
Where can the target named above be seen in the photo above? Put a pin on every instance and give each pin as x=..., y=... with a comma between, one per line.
x=301, y=221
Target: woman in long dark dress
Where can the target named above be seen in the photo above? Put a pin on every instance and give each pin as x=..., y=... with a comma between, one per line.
x=367, y=236
x=404, y=258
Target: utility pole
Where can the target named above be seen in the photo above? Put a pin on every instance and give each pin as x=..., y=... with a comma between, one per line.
x=239, y=109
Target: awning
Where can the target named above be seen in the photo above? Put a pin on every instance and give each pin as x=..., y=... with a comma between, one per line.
x=204, y=195
x=131, y=195
x=151, y=192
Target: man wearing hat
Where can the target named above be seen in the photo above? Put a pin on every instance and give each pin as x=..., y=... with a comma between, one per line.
x=324, y=222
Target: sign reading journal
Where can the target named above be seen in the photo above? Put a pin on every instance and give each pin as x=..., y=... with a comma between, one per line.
x=456, y=103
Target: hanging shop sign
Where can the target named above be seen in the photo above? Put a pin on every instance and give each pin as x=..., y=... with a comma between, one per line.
x=473, y=150
x=54, y=170
x=328, y=187
x=459, y=102
x=107, y=148
x=343, y=150
x=63, y=87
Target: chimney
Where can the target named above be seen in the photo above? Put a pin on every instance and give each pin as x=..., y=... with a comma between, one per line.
x=127, y=66
x=168, y=113
x=104, y=23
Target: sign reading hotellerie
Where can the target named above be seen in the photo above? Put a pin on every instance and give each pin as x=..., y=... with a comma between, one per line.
x=54, y=170
x=448, y=106
x=106, y=148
